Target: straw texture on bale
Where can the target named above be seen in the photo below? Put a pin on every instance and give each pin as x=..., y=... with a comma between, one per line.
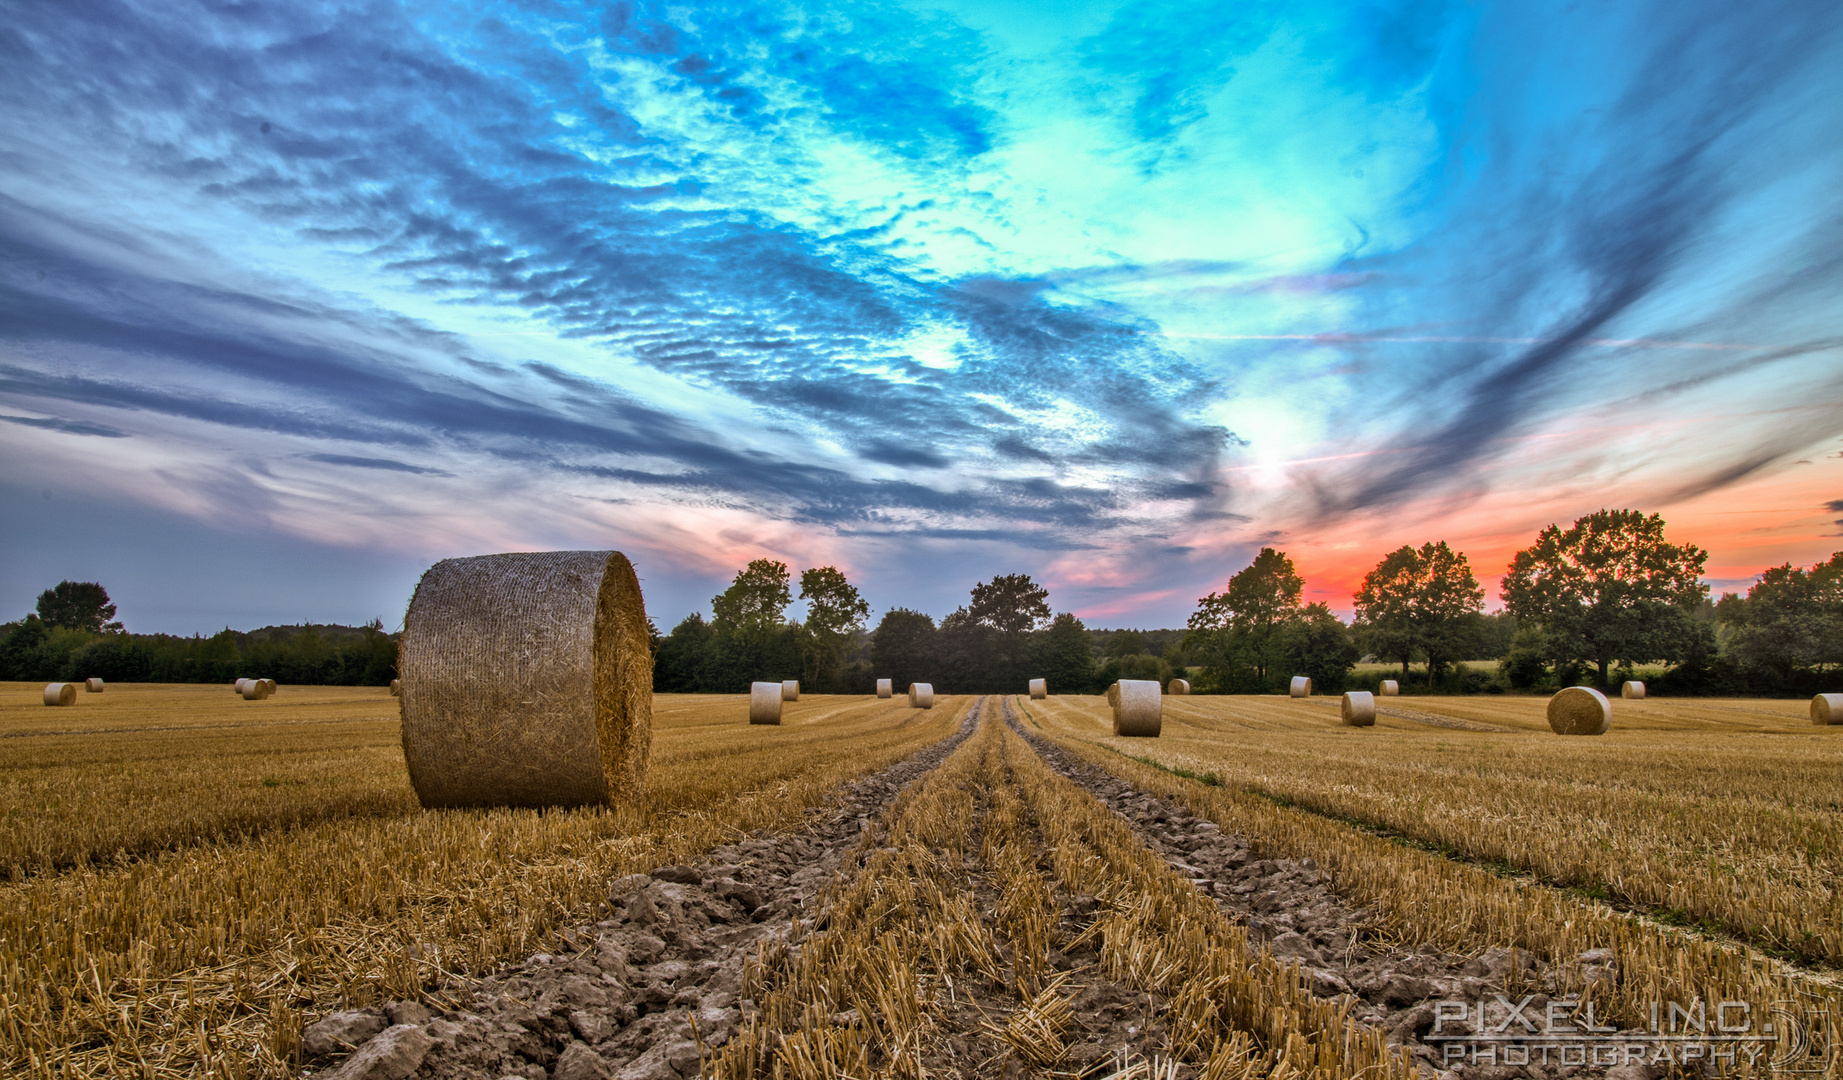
x=1580, y=710
x=268, y=686
x=1359, y=708
x=884, y=689
x=237, y=687
x=1301, y=687
x=1039, y=689
x=396, y=687
x=60, y=693
x=94, y=686
x=255, y=689
x=1827, y=709
x=1113, y=697
x=526, y=680
x=1179, y=687
x=765, y=703
x=1140, y=708
x=1633, y=689
x=1390, y=688
x=790, y=690
x=921, y=695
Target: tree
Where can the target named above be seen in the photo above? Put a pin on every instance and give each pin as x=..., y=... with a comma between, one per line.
x=902, y=648
x=1124, y=643
x=1238, y=629
x=750, y=638
x=1010, y=605
x=1610, y=588
x=1790, y=620
x=1317, y=644
x=1424, y=600
x=834, y=613
x=1064, y=655
x=1385, y=606
x=679, y=661
x=78, y=605
x=755, y=601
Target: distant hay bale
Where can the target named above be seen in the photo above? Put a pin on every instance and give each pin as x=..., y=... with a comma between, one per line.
x=790, y=690
x=1039, y=689
x=765, y=703
x=884, y=689
x=1827, y=709
x=526, y=680
x=1633, y=689
x=1302, y=686
x=1139, y=712
x=1359, y=708
x=396, y=687
x=1389, y=688
x=1580, y=710
x=268, y=686
x=60, y=693
x=94, y=686
x=1113, y=697
x=921, y=695
x=237, y=685
x=1179, y=687
x=255, y=689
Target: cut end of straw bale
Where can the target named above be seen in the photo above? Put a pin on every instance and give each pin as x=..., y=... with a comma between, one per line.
x=396, y=687
x=527, y=680
x=1633, y=689
x=1139, y=709
x=1302, y=686
x=884, y=689
x=268, y=686
x=94, y=686
x=1580, y=710
x=921, y=695
x=1039, y=689
x=60, y=693
x=1827, y=709
x=1359, y=708
x=765, y=703
x=790, y=690
x=1179, y=686
x=1113, y=697
x=1390, y=688
x=256, y=689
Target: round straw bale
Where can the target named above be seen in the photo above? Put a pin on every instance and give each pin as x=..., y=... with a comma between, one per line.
x=237, y=685
x=268, y=686
x=1140, y=712
x=1113, y=697
x=1359, y=707
x=254, y=690
x=1632, y=689
x=883, y=688
x=60, y=693
x=1827, y=709
x=1389, y=688
x=765, y=703
x=396, y=687
x=527, y=680
x=1301, y=687
x=1179, y=687
x=1039, y=689
x=1580, y=710
x=790, y=690
x=94, y=686
x=921, y=695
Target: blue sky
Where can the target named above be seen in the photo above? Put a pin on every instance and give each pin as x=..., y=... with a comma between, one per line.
x=296, y=299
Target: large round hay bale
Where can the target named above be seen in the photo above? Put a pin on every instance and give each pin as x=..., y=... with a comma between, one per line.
x=884, y=689
x=255, y=690
x=1580, y=710
x=94, y=686
x=1827, y=709
x=1359, y=708
x=60, y=693
x=1389, y=688
x=1141, y=708
x=921, y=695
x=765, y=703
x=236, y=685
x=790, y=690
x=268, y=686
x=1633, y=689
x=1039, y=689
x=1179, y=686
x=396, y=687
x=527, y=680
x=1301, y=686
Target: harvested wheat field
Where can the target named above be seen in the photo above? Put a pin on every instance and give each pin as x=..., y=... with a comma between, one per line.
x=999, y=886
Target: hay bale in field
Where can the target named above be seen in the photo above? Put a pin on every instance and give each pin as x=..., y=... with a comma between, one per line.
x=921, y=695
x=1633, y=689
x=765, y=703
x=94, y=686
x=268, y=686
x=790, y=690
x=1827, y=709
x=1140, y=708
x=1389, y=688
x=1359, y=709
x=237, y=685
x=1179, y=687
x=1580, y=710
x=527, y=680
x=1039, y=689
x=396, y=687
x=884, y=689
x=255, y=689
x=1113, y=697
x=60, y=693
x=1301, y=687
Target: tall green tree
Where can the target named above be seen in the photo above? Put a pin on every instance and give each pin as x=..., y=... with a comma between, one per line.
x=1790, y=620
x=835, y=613
x=1610, y=589
x=1317, y=644
x=1064, y=655
x=1236, y=633
x=903, y=648
x=78, y=605
x=751, y=639
x=1010, y=606
x=756, y=601
x=1420, y=600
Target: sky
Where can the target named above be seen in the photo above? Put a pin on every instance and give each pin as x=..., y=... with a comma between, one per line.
x=296, y=299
